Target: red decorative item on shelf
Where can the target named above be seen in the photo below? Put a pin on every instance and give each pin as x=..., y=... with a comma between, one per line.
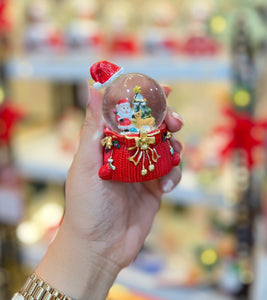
x=9, y=116
x=56, y=40
x=200, y=46
x=136, y=143
x=4, y=21
x=243, y=133
x=124, y=44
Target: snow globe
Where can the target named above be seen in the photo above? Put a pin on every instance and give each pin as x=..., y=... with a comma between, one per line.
x=136, y=145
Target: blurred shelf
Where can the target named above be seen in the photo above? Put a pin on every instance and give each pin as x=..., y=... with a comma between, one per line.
x=39, y=156
x=148, y=284
x=183, y=195
x=72, y=68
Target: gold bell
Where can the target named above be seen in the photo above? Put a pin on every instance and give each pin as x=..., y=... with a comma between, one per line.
x=151, y=167
x=144, y=172
x=168, y=135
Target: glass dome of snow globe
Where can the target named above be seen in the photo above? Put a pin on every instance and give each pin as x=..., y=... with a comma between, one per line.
x=134, y=102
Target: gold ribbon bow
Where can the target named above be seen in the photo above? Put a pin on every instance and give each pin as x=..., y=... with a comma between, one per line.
x=142, y=146
x=107, y=142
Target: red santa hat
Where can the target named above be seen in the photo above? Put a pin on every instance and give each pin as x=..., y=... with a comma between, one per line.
x=123, y=101
x=104, y=73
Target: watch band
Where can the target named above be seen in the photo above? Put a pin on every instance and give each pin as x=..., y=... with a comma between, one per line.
x=37, y=289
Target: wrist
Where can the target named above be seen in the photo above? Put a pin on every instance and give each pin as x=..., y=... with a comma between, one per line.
x=73, y=266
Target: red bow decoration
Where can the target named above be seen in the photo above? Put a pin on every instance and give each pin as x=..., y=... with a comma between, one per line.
x=4, y=22
x=243, y=132
x=9, y=116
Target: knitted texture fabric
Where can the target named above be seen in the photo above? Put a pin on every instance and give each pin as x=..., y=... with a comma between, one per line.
x=136, y=158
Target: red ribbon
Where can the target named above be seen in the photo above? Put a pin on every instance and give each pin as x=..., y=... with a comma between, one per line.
x=243, y=132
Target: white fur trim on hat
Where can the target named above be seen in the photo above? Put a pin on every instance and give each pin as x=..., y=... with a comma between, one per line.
x=99, y=86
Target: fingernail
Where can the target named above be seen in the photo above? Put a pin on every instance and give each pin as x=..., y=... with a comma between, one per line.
x=167, y=186
x=167, y=89
x=177, y=117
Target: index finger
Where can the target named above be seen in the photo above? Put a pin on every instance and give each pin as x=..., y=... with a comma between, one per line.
x=173, y=120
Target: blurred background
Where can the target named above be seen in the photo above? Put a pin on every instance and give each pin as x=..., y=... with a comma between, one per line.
x=209, y=237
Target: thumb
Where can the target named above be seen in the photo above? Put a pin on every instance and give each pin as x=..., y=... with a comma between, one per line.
x=90, y=149
x=93, y=114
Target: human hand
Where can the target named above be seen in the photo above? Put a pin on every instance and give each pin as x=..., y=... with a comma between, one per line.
x=106, y=222
x=115, y=216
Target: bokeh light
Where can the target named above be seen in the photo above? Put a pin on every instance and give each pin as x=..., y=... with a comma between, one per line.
x=242, y=98
x=209, y=257
x=218, y=24
x=2, y=95
x=29, y=233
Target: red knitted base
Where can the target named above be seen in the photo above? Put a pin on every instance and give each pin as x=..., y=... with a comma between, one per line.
x=126, y=170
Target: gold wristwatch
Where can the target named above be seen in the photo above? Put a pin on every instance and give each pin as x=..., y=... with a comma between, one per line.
x=36, y=289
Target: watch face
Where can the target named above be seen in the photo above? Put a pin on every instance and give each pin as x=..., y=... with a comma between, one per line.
x=17, y=297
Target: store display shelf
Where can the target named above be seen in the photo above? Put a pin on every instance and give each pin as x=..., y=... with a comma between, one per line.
x=148, y=284
x=72, y=68
x=194, y=196
x=39, y=156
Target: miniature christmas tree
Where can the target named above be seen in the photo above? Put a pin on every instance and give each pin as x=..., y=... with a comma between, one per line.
x=140, y=103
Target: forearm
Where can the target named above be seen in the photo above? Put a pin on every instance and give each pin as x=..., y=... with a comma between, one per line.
x=71, y=267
